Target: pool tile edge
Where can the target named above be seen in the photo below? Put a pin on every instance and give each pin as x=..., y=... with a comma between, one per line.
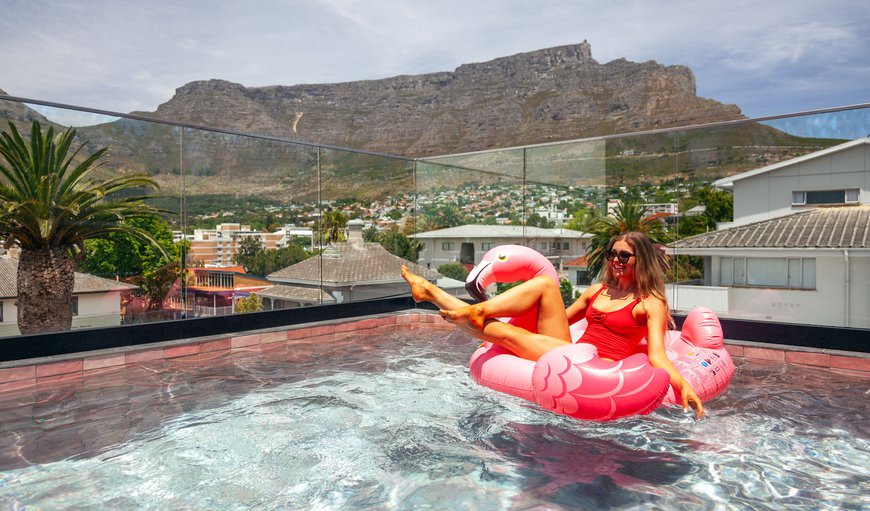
x=27, y=373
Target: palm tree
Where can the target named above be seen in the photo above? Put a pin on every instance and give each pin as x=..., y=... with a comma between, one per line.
x=628, y=216
x=333, y=224
x=50, y=203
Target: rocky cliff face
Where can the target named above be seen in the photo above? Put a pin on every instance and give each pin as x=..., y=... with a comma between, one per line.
x=547, y=95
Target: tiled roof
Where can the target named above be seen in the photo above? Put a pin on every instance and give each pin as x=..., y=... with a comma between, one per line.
x=83, y=283
x=842, y=227
x=297, y=293
x=500, y=231
x=579, y=262
x=345, y=264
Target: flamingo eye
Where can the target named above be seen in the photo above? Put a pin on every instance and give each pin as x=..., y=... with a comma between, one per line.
x=502, y=257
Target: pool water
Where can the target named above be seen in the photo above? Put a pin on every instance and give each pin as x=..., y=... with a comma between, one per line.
x=394, y=422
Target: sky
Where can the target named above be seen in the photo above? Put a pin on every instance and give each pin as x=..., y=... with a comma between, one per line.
x=768, y=57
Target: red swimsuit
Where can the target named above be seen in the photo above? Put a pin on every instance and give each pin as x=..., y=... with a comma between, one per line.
x=616, y=334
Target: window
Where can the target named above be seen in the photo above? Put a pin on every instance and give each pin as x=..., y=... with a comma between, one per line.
x=1, y=312
x=487, y=246
x=815, y=197
x=74, y=305
x=780, y=272
x=544, y=245
x=565, y=245
x=447, y=246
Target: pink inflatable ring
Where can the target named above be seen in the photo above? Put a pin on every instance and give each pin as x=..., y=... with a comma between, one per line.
x=572, y=379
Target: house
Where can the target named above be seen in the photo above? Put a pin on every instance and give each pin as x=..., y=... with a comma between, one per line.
x=836, y=175
x=467, y=243
x=214, y=291
x=96, y=301
x=353, y=270
x=577, y=270
x=798, y=249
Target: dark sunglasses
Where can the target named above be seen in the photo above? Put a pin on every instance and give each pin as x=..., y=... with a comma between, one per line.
x=623, y=256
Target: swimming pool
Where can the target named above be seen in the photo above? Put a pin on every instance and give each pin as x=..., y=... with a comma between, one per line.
x=394, y=422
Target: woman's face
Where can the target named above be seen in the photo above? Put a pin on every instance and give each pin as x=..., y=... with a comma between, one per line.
x=621, y=259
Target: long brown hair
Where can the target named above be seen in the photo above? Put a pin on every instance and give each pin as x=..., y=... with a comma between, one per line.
x=649, y=277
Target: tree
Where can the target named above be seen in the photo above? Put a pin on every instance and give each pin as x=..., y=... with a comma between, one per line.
x=136, y=261
x=333, y=225
x=454, y=271
x=399, y=244
x=122, y=255
x=249, y=247
x=628, y=216
x=270, y=261
x=50, y=203
x=253, y=303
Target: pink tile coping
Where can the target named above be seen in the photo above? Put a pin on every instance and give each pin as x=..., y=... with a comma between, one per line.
x=28, y=375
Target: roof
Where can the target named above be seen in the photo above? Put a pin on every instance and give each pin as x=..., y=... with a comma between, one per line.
x=83, y=282
x=297, y=294
x=728, y=182
x=346, y=264
x=500, y=231
x=579, y=262
x=840, y=227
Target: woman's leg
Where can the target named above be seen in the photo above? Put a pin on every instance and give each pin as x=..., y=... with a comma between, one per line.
x=424, y=291
x=540, y=294
x=519, y=341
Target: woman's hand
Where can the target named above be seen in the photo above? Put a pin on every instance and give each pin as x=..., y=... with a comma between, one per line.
x=689, y=396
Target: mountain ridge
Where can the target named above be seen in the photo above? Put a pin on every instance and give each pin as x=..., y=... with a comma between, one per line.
x=547, y=95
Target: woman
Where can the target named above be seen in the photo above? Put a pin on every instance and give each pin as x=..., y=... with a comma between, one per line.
x=627, y=306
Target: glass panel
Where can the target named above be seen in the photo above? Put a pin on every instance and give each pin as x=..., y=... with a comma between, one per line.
x=766, y=272
x=739, y=271
x=726, y=268
x=465, y=212
x=250, y=206
x=750, y=174
x=809, y=273
x=794, y=273
x=125, y=276
x=367, y=205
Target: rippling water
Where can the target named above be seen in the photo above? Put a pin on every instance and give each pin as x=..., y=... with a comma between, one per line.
x=395, y=423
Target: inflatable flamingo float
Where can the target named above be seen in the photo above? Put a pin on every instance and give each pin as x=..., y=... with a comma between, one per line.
x=572, y=379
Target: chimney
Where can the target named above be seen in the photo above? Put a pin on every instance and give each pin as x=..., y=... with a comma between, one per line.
x=354, y=233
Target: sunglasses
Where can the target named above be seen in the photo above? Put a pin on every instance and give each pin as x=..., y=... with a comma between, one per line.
x=622, y=255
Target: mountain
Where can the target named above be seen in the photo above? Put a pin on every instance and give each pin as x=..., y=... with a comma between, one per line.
x=547, y=95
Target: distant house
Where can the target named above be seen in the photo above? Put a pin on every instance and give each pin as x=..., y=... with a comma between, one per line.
x=578, y=273
x=798, y=249
x=96, y=301
x=214, y=291
x=351, y=271
x=467, y=243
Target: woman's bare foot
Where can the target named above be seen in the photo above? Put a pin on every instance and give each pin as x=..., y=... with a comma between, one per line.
x=473, y=314
x=419, y=286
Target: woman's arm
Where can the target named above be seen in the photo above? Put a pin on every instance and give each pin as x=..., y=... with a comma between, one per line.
x=656, y=324
x=577, y=310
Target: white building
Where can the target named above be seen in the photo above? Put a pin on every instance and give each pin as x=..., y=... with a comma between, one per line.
x=467, y=243
x=798, y=249
x=218, y=247
x=834, y=176
x=96, y=301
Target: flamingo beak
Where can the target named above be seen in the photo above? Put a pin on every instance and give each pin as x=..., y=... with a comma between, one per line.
x=478, y=280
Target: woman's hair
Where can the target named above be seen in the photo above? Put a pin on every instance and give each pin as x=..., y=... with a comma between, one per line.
x=649, y=265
